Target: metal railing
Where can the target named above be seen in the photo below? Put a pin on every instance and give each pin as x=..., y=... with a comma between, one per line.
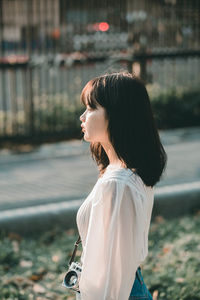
x=49, y=49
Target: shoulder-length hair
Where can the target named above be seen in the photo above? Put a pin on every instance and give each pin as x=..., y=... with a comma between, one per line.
x=131, y=125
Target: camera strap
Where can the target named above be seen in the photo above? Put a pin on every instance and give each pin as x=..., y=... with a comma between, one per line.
x=75, y=249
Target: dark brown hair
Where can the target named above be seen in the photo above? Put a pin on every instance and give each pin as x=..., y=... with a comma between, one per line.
x=131, y=127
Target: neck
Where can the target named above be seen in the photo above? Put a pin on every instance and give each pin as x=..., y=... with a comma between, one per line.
x=112, y=156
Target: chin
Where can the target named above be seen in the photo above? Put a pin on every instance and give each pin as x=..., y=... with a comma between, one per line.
x=86, y=138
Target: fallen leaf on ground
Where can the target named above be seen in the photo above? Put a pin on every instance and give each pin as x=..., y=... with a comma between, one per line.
x=179, y=280
x=70, y=232
x=38, y=275
x=14, y=236
x=39, y=289
x=159, y=219
x=26, y=263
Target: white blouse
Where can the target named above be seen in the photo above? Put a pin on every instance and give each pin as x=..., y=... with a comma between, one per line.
x=113, y=223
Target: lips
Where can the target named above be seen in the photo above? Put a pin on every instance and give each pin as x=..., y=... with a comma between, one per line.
x=83, y=129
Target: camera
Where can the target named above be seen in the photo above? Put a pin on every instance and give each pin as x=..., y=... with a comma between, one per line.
x=72, y=277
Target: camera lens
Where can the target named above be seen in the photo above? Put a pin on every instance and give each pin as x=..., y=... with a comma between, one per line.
x=70, y=279
x=73, y=280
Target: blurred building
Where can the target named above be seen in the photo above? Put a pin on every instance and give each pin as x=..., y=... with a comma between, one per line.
x=22, y=21
x=166, y=23
x=52, y=24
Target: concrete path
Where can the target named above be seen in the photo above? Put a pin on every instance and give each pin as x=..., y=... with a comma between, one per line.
x=64, y=171
x=44, y=188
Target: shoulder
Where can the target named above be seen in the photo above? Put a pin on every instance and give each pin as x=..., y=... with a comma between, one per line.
x=113, y=181
x=116, y=174
x=110, y=184
x=109, y=187
x=124, y=179
x=121, y=177
x=114, y=184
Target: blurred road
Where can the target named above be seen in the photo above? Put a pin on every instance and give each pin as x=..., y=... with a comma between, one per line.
x=65, y=171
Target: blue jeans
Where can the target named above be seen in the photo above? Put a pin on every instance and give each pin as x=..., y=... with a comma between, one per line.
x=139, y=290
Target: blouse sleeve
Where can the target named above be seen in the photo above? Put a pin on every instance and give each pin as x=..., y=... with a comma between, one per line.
x=113, y=244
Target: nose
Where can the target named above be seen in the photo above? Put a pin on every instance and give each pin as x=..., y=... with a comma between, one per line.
x=82, y=117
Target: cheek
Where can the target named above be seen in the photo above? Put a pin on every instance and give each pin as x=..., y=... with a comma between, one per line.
x=100, y=122
x=97, y=125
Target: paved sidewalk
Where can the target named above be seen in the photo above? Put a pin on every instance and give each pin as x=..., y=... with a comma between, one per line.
x=65, y=172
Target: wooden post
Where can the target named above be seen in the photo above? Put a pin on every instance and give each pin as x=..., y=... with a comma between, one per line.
x=29, y=69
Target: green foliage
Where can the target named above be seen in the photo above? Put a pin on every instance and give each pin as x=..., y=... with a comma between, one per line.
x=39, y=269
x=8, y=256
x=173, y=266
x=58, y=119
x=173, y=110
x=55, y=119
x=34, y=266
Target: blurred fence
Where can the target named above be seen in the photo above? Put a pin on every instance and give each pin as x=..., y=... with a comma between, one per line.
x=50, y=48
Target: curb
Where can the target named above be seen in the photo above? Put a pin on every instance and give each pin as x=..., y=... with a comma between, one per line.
x=177, y=200
x=170, y=201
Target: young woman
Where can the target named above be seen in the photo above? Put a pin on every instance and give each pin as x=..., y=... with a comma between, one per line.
x=114, y=220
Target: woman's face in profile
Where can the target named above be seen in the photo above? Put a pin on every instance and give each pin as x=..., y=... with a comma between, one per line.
x=94, y=124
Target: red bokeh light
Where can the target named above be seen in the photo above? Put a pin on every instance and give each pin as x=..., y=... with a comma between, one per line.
x=103, y=26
